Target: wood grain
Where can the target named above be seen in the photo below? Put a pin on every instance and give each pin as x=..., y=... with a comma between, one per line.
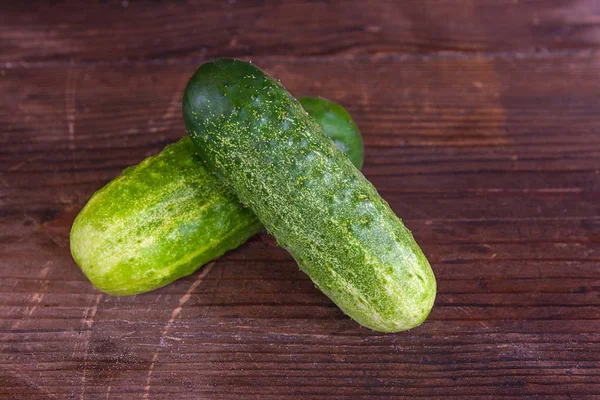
x=488, y=149
x=73, y=31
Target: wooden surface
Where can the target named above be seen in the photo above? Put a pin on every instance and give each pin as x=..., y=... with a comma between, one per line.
x=482, y=128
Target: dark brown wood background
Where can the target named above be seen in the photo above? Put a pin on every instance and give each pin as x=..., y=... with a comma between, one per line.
x=482, y=127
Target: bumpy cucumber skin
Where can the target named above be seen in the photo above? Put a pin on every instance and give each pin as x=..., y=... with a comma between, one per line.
x=157, y=222
x=164, y=218
x=256, y=137
x=335, y=119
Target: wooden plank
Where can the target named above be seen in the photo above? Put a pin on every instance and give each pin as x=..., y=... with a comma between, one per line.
x=515, y=125
x=73, y=31
x=495, y=172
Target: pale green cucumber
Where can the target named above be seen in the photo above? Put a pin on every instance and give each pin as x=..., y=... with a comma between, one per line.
x=259, y=140
x=164, y=218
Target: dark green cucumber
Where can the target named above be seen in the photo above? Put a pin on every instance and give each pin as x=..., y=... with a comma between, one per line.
x=164, y=218
x=338, y=124
x=259, y=140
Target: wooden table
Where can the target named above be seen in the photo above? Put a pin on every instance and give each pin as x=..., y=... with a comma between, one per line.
x=482, y=128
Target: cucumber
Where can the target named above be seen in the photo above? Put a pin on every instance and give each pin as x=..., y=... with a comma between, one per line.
x=258, y=139
x=162, y=219
x=337, y=123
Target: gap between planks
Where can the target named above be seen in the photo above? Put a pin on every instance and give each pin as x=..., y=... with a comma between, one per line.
x=506, y=55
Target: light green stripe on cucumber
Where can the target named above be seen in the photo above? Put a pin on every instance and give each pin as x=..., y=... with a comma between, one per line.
x=259, y=140
x=164, y=218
